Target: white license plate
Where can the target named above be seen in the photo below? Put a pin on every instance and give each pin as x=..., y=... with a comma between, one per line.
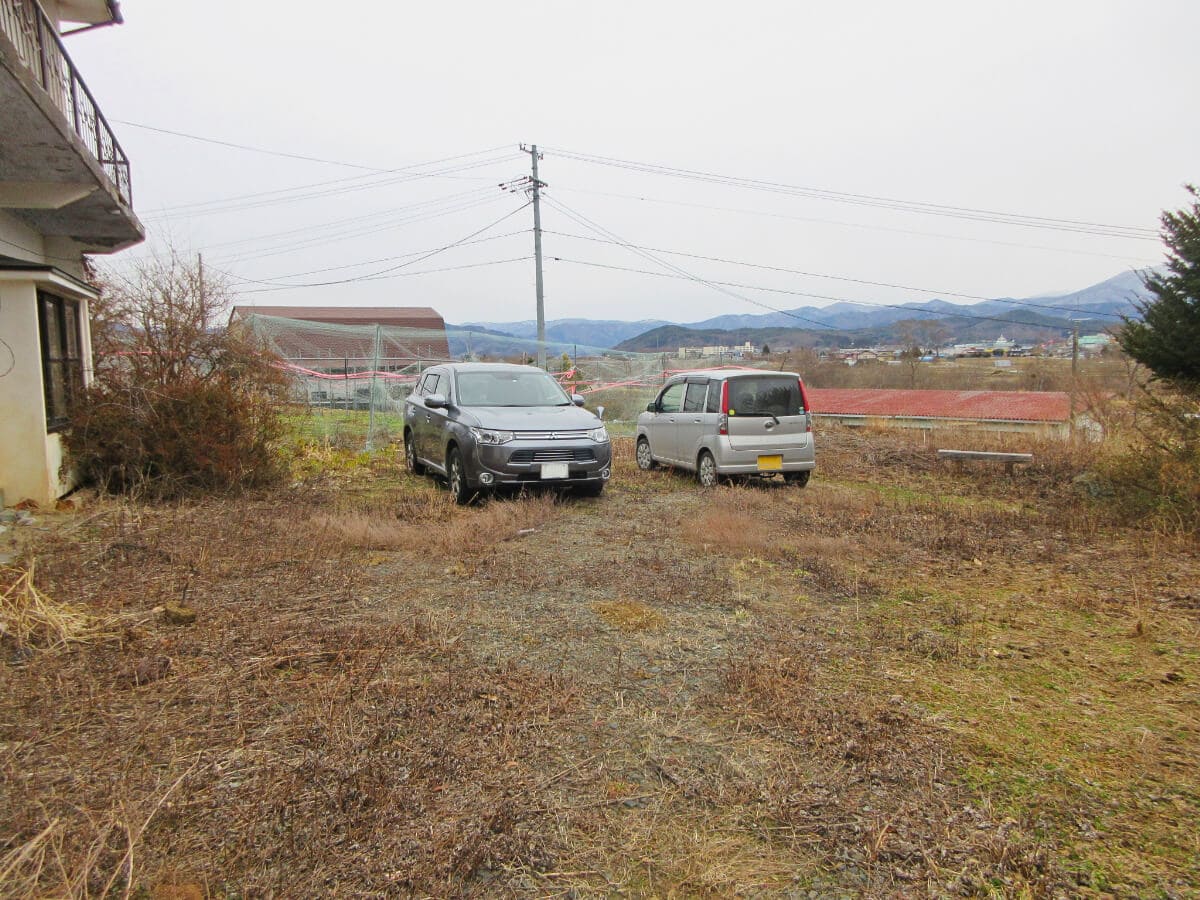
x=555, y=470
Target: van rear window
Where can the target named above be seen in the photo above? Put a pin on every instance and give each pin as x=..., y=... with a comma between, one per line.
x=765, y=396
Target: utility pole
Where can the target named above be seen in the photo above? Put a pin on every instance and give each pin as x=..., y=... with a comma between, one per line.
x=536, y=186
x=532, y=186
x=1074, y=378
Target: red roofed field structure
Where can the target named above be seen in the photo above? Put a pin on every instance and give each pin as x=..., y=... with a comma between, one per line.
x=1037, y=412
x=346, y=336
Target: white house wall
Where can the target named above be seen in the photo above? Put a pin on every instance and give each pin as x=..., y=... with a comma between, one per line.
x=31, y=459
x=20, y=241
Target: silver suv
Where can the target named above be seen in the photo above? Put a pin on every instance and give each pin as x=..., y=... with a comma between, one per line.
x=489, y=425
x=721, y=422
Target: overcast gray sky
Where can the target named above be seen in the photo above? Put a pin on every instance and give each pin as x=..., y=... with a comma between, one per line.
x=1080, y=111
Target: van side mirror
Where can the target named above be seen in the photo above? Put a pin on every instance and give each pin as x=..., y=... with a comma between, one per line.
x=652, y=406
x=577, y=399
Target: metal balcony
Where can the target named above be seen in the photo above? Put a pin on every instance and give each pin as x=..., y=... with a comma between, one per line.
x=61, y=167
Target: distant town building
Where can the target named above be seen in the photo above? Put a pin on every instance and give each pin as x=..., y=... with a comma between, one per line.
x=717, y=351
x=1093, y=344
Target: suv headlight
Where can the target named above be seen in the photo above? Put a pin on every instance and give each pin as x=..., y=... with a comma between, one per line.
x=599, y=435
x=490, y=436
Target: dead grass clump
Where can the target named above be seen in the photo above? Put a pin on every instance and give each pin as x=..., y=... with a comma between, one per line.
x=32, y=619
x=629, y=615
x=770, y=678
x=450, y=531
x=737, y=520
x=867, y=785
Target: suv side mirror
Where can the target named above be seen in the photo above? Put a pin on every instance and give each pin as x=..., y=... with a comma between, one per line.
x=577, y=399
x=652, y=406
x=436, y=401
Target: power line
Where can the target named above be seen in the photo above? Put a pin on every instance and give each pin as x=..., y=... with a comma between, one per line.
x=299, y=187
x=723, y=286
x=369, y=262
x=448, y=199
x=915, y=206
x=479, y=265
x=347, y=234
x=376, y=275
x=737, y=262
x=281, y=153
x=679, y=272
x=937, y=314
x=290, y=195
x=863, y=225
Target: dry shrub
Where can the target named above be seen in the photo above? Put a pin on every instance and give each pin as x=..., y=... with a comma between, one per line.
x=629, y=615
x=1157, y=474
x=444, y=528
x=178, y=403
x=216, y=434
x=32, y=619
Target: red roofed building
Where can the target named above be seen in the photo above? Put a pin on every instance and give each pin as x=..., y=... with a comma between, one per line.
x=1039, y=412
x=344, y=337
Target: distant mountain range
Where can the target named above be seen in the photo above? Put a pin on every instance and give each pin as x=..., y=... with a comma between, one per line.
x=1032, y=319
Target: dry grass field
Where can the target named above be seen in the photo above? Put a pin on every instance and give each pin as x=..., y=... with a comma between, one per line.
x=902, y=680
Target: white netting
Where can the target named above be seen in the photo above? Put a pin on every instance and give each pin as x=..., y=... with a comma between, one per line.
x=349, y=381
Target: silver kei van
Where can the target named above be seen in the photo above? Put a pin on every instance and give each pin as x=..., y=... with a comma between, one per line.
x=720, y=422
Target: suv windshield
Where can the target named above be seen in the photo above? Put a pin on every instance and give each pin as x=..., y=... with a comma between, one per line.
x=509, y=388
x=767, y=396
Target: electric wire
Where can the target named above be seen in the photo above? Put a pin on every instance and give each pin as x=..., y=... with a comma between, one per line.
x=580, y=219
x=915, y=206
x=331, y=192
x=315, y=184
x=723, y=287
x=375, y=275
x=863, y=225
x=478, y=265
x=359, y=231
x=382, y=259
x=906, y=287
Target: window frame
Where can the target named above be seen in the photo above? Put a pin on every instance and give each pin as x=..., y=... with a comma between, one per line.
x=691, y=386
x=62, y=355
x=663, y=394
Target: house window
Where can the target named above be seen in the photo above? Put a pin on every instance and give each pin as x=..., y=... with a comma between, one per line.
x=62, y=358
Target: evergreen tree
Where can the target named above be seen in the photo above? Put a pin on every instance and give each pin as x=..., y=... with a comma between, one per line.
x=1167, y=339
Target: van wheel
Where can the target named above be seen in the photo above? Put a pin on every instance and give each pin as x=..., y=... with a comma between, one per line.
x=456, y=478
x=706, y=470
x=410, y=456
x=645, y=459
x=799, y=479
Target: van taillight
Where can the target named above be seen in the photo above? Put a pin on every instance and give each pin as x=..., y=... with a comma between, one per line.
x=723, y=422
x=807, y=408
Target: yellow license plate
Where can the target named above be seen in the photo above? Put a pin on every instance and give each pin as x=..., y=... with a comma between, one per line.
x=770, y=464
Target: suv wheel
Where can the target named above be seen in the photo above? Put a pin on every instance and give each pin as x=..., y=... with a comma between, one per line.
x=799, y=479
x=645, y=459
x=456, y=478
x=706, y=470
x=410, y=456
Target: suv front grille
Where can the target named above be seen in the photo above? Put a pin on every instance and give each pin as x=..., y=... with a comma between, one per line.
x=565, y=454
x=550, y=435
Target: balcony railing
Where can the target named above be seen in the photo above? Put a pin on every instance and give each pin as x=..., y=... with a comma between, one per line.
x=41, y=52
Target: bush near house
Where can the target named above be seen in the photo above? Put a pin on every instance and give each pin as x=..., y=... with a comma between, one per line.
x=179, y=403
